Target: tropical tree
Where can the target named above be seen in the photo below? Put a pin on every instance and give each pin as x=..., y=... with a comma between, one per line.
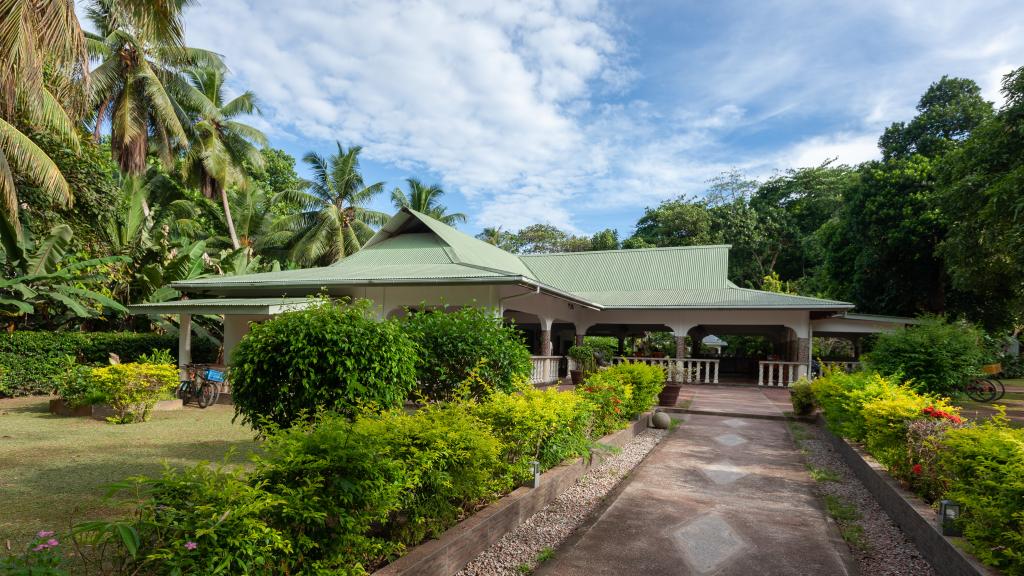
x=43, y=68
x=425, y=199
x=334, y=220
x=222, y=147
x=139, y=87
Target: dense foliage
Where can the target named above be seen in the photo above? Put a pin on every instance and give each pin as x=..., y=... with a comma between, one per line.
x=331, y=356
x=923, y=441
x=132, y=389
x=620, y=393
x=934, y=355
x=451, y=344
x=35, y=362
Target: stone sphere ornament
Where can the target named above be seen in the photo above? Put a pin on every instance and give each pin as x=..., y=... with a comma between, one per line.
x=661, y=420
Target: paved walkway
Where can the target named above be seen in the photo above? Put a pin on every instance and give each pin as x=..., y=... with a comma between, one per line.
x=737, y=400
x=720, y=495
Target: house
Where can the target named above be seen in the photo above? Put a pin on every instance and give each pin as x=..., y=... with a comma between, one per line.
x=556, y=299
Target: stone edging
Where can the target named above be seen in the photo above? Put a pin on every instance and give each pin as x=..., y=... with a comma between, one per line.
x=915, y=518
x=466, y=540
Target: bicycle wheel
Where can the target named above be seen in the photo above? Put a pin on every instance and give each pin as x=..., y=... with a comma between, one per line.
x=207, y=394
x=184, y=391
x=999, y=387
x=981, y=390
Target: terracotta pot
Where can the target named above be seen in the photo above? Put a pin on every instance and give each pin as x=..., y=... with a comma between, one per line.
x=669, y=395
x=577, y=377
x=60, y=408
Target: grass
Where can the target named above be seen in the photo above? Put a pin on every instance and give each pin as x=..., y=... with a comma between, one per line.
x=546, y=554
x=847, y=516
x=823, y=474
x=54, y=468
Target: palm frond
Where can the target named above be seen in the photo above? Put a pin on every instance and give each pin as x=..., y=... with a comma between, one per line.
x=23, y=156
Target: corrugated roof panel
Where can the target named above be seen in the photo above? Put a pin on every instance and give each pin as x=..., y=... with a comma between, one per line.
x=341, y=274
x=469, y=250
x=421, y=248
x=707, y=298
x=683, y=268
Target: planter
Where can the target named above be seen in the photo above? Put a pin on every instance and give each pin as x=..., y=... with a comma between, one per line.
x=577, y=377
x=669, y=395
x=461, y=543
x=101, y=411
x=990, y=369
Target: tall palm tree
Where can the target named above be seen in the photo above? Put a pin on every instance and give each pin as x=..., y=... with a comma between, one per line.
x=426, y=199
x=335, y=221
x=43, y=70
x=139, y=86
x=221, y=146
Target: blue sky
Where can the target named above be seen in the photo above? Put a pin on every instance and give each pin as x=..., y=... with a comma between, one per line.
x=581, y=113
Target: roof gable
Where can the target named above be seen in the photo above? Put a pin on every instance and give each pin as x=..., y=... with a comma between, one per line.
x=462, y=248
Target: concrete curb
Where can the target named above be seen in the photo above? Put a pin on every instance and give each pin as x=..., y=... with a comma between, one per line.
x=915, y=518
x=463, y=542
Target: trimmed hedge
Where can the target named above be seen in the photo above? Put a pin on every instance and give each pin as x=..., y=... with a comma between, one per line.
x=923, y=441
x=620, y=393
x=33, y=362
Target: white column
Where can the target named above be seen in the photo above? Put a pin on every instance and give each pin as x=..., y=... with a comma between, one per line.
x=184, y=342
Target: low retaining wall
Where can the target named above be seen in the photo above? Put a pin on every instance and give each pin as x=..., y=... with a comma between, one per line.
x=916, y=519
x=466, y=540
x=102, y=411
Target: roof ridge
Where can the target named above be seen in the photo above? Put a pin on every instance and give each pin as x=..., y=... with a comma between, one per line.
x=654, y=249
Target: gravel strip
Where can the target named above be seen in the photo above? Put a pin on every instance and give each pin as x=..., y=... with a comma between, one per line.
x=883, y=549
x=516, y=553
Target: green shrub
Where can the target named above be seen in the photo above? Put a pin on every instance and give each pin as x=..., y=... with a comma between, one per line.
x=547, y=426
x=331, y=356
x=454, y=343
x=983, y=466
x=645, y=382
x=133, y=389
x=584, y=356
x=199, y=520
x=935, y=356
x=76, y=386
x=356, y=492
x=34, y=362
x=802, y=397
x=842, y=396
x=1013, y=366
x=924, y=441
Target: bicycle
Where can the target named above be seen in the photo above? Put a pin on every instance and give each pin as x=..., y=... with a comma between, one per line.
x=987, y=388
x=202, y=384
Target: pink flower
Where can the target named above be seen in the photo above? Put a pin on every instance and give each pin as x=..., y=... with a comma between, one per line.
x=40, y=548
x=44, y=534
x=190, y=545
x=52, y=542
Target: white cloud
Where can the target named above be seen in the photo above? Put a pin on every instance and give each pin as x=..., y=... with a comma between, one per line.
x=539, y=111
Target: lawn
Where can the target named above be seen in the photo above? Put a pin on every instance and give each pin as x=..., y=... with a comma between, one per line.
x=53, y=469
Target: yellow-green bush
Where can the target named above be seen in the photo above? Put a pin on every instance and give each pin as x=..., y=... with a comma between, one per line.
x=133, y=389
x=886, y=420
x=983, y=466
x=646, y=382
x=547, y=426
x=842, y=397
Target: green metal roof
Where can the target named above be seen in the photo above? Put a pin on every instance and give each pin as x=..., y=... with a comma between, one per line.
x=413, y=248
x=223, y=305
x=653, y=269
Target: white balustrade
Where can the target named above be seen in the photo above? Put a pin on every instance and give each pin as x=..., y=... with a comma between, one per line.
x=776, y=373
x=680, y=370
x=545, y=369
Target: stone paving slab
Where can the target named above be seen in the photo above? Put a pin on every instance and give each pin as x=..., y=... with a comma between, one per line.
x=720, y=495
x=733, y=401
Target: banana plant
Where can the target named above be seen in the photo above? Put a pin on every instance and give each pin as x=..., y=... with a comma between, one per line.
x=41, y=275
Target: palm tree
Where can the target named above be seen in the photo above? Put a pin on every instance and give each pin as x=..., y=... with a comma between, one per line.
x=334, y=221
x=37, y=35
x=425, y=199
x=222, y=146
x=139, y=87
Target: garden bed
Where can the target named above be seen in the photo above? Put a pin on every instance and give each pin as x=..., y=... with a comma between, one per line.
x=463, y=542
x=915, y=518
x=102, y=411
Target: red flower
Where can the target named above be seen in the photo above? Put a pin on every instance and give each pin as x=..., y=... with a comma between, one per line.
x=916, y=469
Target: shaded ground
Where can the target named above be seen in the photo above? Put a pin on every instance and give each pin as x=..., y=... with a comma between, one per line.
x=53, y=469
x=720, y=495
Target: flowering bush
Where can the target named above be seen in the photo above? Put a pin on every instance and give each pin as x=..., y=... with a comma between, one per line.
x=886, y=420
x=606, y=392
x=924, y=440
x=42, y=557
